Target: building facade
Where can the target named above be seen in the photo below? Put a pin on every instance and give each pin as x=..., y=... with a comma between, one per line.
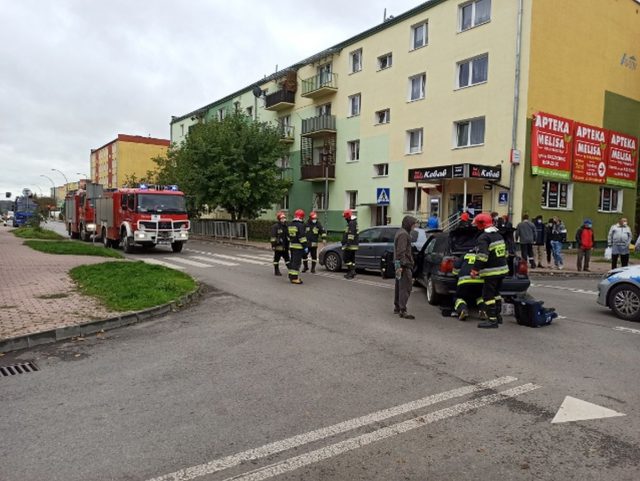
x=125, y=157
x=434, y=111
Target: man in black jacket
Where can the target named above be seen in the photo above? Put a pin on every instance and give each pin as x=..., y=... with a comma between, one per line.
x=280, y=243
x=314, y=232
x=403, y=263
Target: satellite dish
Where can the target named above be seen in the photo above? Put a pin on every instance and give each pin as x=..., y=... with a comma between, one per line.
x=257, y=91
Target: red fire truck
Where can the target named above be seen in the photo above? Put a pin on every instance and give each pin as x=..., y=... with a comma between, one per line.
x=79, y=210
x=142, y=216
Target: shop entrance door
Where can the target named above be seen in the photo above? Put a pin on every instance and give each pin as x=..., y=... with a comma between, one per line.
x=381, y=215
x=457, y=203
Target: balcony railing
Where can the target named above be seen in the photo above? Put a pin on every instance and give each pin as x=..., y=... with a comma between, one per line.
x=320, y=125
x=317, y=172
x=280, y=100
x=287, y=134
x=320, y=85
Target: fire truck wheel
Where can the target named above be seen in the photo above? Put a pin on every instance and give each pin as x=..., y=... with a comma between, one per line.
x=176, y=246
x=127, y=245
x=84, y=235
x=105, y=240
x=72, y=235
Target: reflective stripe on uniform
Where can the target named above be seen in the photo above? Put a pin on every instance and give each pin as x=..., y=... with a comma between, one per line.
x=494, y=271
x=490, y=302
x=482, y=257
x=458, y=303
x=479, y=301
x=469, y=280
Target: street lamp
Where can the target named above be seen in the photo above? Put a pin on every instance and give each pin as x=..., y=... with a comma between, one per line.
x=40, y=189
x=66, y=185
x=83, y=176
x=54, y=188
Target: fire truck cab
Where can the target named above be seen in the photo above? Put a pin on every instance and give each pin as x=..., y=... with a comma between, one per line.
x=144, y=217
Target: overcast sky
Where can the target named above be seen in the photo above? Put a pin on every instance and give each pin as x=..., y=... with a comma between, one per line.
x=76, y=73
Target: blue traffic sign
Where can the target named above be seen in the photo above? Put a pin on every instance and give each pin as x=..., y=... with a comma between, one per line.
x=503, y=197
x=383, y=196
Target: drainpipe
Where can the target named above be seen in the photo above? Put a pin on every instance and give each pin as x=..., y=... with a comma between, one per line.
x=516, y=105
x=415, y=203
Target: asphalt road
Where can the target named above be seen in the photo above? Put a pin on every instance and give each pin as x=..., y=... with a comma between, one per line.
x=266, y=380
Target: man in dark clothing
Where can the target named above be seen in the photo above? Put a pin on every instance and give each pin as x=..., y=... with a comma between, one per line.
x=314, y=231
x=491, y=266
x=585, y=241
x=280, y=243
x=403, y=263
x=547, y=240
x=538, y=245
x=298, y=246
x=505, y=228
x=526, y=235
x=350, y=243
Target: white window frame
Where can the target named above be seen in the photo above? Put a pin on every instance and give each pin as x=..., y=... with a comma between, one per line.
x=386, y=119
x=249, y=111
x=474, y=22
x=414, y=29
x=619, y=195
x=318, y=201
x=353, y=150
x=351, y=199
x=388, y=57
x=284, y=202
x=355, y=61
x=355, y=105
x=470, y=122
x=381, y=170
x=221, y=114
x=420, y=147
x=544, y=204
x=422, y=78
x=471, y=62
x=410, y=195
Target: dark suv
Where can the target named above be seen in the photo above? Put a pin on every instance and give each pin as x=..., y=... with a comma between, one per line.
x=436, y=260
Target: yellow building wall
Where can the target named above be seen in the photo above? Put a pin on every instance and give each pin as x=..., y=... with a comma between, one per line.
x=135, y=159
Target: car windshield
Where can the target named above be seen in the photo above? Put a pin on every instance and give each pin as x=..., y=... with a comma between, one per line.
x=158, y=203
x=24, y=204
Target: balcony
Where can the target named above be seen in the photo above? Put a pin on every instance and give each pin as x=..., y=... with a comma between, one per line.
x=319, y=126
x=320, y=85
x=280, y=100
x=287, y=134
x=317, y=172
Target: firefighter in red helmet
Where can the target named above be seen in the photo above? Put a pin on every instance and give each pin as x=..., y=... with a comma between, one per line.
x=280, y=242
x=350, y=243
x=314, y=231
x=491, y=266
x=297, y=245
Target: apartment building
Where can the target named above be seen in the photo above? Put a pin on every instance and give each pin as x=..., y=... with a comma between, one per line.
x=449, y=105
x=124, y=157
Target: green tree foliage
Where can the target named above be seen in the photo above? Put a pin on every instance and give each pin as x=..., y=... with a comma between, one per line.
x=229, y=163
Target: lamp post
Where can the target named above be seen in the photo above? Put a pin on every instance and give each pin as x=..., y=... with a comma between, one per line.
x=54, y=188
x=66, y=181
x=40, y=189
x=83, y=176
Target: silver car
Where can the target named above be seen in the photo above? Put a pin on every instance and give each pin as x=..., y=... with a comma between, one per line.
x=619, y=290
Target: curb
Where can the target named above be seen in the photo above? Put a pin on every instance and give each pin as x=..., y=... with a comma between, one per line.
x=94, y=327
x=565, y=274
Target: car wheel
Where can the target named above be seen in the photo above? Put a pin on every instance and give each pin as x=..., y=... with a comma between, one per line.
x=332, y=262
x=433, y=297
x=624, y=301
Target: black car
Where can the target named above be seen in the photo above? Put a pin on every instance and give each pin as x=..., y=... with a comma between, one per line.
x=436, y=260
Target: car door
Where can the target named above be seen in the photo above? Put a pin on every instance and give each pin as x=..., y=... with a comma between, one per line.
x=385, y=243
x=434, y=253
x=365, y=254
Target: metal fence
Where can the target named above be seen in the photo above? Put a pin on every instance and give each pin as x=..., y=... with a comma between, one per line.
x=220, y=229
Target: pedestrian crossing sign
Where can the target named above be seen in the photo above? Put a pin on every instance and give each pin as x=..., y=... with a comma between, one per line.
x=382, y=196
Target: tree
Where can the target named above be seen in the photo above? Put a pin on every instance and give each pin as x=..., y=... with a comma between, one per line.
x=230, y=163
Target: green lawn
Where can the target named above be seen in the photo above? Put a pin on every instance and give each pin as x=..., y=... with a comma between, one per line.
x=36, y=233
x=132, y=286
x=72, y=248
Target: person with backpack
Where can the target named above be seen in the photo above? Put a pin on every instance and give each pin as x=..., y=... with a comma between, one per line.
x=585, y=241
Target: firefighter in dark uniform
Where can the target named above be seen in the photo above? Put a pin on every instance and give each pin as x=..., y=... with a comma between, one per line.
x=297, y=245
x=350, y=243
x=467, y=287
x=280, y=242
x=314, y=232
x=491, y=266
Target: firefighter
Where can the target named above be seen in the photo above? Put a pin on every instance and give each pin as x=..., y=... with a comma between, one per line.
x=350, y=243
x=467, y=287
x=491, y=266
x=280, y=242
x=298, y=246
x=313, y=231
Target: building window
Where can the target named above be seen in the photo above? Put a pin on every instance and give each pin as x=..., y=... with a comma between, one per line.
x=182, y=129
x=473, y=71
x=414, y=141
x=355, y=60
x=284, y=203
x=474, y=13
x=380, y=170
x=354, y=105
x=221, y=114
x=324, y=109
x=249, y=111
x=410, y=200
x=557, y=195
x=236, y=106
x=385, y=61
x=610, y=200
x=351, y=199
x=283, y=162
x=419, y=35
x=383, y=116
x=318, y=201
x=417, y=85
x=470, y=132
x=353, y=151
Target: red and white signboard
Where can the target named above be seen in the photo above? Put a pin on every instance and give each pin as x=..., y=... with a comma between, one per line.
x=622, y=160
x=590, y=153
x=551, y=146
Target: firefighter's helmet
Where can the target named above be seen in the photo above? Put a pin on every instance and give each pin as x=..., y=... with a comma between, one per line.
x=347, y=214
x=313, y=215
x=299, y=214
x=482, y=221
x=281, y=215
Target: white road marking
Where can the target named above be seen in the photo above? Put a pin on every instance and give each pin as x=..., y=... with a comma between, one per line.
x=564, y=288
x=227, y=462
x=378, y=435
x=162, y=263
x=626, y=329
x=239, y=259
x=260, y=257
x=573, y=409
x=356, y=280
x=199, y=264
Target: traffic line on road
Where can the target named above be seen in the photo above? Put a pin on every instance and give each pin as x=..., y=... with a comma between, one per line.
x=626, y=329
x=227, y=462
x=357, y=281
x=240, y=259
x=188, y=262
x=564, y=288
x=162, y=263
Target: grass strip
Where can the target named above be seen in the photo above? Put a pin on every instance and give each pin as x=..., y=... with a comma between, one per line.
x=66, y=247
x=36, y=233
x=132, y=286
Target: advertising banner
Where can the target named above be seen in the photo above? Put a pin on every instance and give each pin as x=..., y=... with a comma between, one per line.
x=590, y=153
x=622, y=160
x=551, y=146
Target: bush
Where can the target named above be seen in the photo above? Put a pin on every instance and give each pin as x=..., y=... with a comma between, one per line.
x=259, y=229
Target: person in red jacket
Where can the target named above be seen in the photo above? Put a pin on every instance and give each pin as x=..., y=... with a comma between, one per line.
x=585, y=241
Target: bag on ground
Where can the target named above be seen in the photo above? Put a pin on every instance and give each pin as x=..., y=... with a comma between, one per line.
x=531, y=313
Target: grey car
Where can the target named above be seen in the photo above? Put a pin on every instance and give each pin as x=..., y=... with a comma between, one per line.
x=619, y=290
x=374, y=242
